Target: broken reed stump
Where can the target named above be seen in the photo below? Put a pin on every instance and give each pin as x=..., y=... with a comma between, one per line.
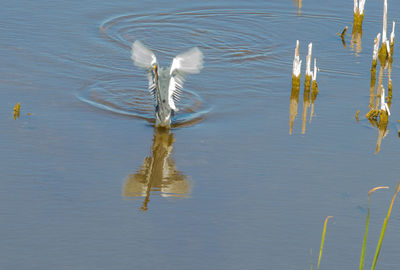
x=384, y=51
x=314, y=89
x=294, y=97
x=358, y=13
x=392, y=42
x=356, y=33
x=296, y=72
x=307, y=82
x=307, y=86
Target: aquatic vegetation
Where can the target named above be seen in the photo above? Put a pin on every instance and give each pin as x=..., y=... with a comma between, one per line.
x=294, y=97
x=379, y=104
x=310, y=83
x=158, y=172
x=17, y=109
x=386, y=50
x=322, y=240
x=356, y=34
x=364, y=243
x=358, y=12
x=384, y=226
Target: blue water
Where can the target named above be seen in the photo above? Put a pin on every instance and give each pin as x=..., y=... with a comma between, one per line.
x=229, y=188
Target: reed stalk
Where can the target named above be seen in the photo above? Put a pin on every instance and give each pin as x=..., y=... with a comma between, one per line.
x=384, y=226
x=322, y=241
x=384, y=51
x=364, y=244
x=294, y=98
x=314, y=89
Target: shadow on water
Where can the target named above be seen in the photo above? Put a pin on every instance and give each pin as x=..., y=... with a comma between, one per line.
x=158, y=174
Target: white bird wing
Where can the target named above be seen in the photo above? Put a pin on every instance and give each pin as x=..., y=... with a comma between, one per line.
x=189, y=62
x=145, y=58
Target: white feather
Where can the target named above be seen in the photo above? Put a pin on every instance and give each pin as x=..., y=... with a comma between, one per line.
x=189, y=62
x=142, y=56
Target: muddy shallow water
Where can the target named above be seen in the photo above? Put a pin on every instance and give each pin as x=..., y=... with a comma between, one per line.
x=87, y=183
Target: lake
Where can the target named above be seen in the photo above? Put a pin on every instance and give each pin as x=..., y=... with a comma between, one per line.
x=247, y=174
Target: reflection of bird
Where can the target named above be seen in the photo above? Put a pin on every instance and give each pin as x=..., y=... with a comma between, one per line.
x=158, y=172
x=165, y=85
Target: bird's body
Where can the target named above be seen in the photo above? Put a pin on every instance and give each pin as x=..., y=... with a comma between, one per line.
x=165, y=85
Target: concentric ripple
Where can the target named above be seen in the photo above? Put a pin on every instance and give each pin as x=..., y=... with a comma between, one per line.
x=118, y=97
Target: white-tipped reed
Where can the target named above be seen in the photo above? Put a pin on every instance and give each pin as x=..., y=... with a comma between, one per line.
x=355, y=6
x=387, y=47
x=308, y=60
x=361, y=7
x=392, y=34
x=376, y=47
x=384, y=26
x=314, y=76
x=296, y=61
x=384, y=106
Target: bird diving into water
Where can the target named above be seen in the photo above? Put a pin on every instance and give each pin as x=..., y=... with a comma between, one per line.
x=165, y=85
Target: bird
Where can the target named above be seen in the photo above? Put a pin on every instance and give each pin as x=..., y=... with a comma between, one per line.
x=166, y=84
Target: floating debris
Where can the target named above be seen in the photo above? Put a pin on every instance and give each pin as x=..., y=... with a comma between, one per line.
x=342, y=35
x=17, y=109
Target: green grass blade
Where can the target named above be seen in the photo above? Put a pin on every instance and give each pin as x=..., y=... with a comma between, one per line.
x=322, y=241
x=364, y=244
x=385, y=222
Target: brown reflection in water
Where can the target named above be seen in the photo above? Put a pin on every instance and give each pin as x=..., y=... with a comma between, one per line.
x=314, y=94
x=383, y=131
x=378, y=116
x=306, y=104
x=356, y=37
x=294, y=102
x=158, y=172
x=299, y=4
x=356, y=33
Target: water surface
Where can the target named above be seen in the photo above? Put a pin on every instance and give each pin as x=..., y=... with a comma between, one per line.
x=230, y=188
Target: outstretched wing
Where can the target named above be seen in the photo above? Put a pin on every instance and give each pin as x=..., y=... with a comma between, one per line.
x=190, y=62
x=145, y=58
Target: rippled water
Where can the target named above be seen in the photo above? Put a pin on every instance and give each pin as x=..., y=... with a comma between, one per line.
x=248, y=172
